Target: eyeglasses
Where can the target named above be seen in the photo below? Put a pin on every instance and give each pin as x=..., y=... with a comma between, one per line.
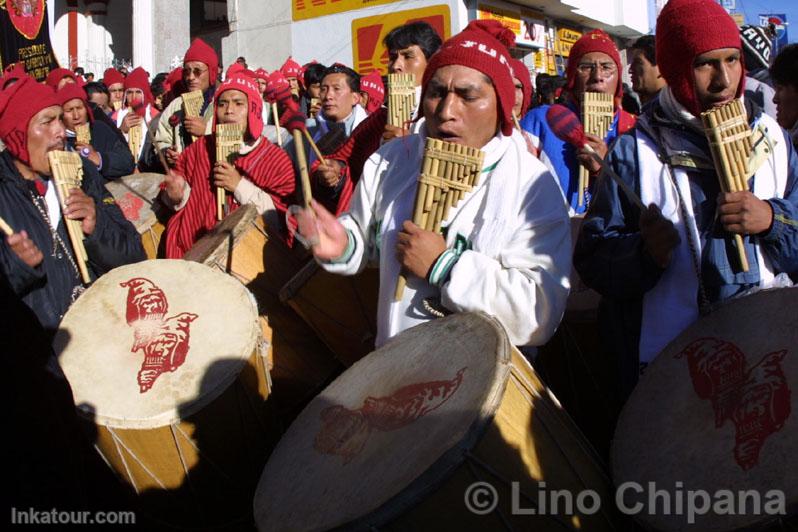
x=197, y=72
x=607, y=68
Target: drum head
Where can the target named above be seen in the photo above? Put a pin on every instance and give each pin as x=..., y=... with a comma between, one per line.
x=153, y=342
x=715, y=411
x=136, y=195
x=388, y=429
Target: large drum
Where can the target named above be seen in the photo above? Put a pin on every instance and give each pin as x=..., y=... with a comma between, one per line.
x=165, y=357
x=341, y=309
x=137, y=197
x=712, y=423
x=241, y=246
x=437, y=421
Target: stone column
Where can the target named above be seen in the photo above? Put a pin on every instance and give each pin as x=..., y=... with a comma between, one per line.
x=143, y=36
x=170, y=22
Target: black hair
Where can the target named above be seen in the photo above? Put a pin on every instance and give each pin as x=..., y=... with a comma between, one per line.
x=314, y=73
x=546, y=89
x=785, y=67
x=93, y=87
x=79, y=71
x=419, y=33
x=647, y=44
x=352, y=77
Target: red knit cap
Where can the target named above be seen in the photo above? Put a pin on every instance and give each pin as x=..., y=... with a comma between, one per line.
x=56, y=75
x=174, y=77
x=372, y=85
x=521, y=73
x=202, y=52
x=71, y=91
x=482, y=45
x=686, y=29
x=13, y=72
x=291, y=69
x=262, y=74
x=248, y=86
x=139, y=79
x=18, y=104
x=594, y=41
x=235, y=68
x=112, y=76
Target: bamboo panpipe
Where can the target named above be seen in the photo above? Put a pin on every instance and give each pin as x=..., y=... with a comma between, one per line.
x=313, y=103
x=83, y=134
x=597, y=115
x=67, y=168
x=448, y=172
x=192, y=105
x=135, y=136
x=228, y=141
x=730, y=143
x=401, y=98
x=117, y=105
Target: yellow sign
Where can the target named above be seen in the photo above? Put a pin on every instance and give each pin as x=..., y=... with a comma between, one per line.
x=527, y=25
x=510, y=19
x=367, y=34
x=566, y=38
x=305, y=9
x=739, y=18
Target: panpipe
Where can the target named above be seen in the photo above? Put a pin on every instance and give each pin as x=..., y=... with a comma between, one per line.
x=117, y=105
x=598, y=111
x=192, y=105
x=67, y=169
x=313, y=103
x=401, y=98
x=135, y=137
x=731, y=146
x=228, y=142
x=448, y=172
x=83, y=134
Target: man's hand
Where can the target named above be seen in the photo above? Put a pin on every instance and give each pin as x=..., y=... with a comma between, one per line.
x=328, y=174
x=659, y=235
x=226, y=176
x=175, y=185
x=391, y=132
x=131, y=120
x=171, y=155
x=93, y=156
x=81, y=207
x=24, y=248
x=195, y=125
x=417, y=249
x=586, y=158
x=743, y=213
x=322, y=229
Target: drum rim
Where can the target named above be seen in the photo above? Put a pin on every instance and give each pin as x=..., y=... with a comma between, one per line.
x=440, y=471
x=174, y=415
x=213, y=245
x=644, y=518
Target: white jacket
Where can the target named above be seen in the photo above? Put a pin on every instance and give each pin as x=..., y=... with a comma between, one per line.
x=523, y=282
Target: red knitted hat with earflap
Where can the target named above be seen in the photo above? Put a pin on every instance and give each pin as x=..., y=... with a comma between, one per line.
x=483, y=45
x=18, y=104
x=202, y=52
x=57, y=74
x=372, y=85
x=521, y=73
x=139, y=79
x=686, y=29
x=248, y=86
x=594, y=41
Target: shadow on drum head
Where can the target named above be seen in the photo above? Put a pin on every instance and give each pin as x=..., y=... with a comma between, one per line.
x=230, y=438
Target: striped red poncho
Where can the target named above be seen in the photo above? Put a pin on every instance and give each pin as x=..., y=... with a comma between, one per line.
x=267, y=166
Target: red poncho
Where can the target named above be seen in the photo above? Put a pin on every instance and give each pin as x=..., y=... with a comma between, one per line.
x=267, y=166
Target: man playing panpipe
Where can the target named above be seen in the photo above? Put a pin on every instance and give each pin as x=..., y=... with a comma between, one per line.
x=409, y=48
x=115, y=81
x=655, y=271
x=38, y=259
x=294, y=74
x=106, y=151
x=593, y=66
x=262, y=173
x=138, y=111
x=199, y=74
x=506, y=249
x=62, y=77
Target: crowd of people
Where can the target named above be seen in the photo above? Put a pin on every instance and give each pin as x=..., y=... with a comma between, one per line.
x=505, y=249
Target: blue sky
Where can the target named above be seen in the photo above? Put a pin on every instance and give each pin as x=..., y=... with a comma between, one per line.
x=753, y=8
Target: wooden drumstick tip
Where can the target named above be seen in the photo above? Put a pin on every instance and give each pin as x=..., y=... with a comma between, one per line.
x=5, y=227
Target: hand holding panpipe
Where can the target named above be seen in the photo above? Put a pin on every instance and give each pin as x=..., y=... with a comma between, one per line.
x=401, y=98
x=448, y=172
x=192, y=105
x=228, y=142
x=597, y=115
x=67, y=169
x=731, y=146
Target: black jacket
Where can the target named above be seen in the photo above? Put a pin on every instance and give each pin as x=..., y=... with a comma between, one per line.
x=117, y=161
x=47, y=289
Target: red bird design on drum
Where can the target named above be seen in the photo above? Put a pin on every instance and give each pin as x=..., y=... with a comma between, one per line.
x=164, y=341
x=757, y=400
x=345, y=432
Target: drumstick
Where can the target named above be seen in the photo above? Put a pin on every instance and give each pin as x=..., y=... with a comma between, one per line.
x=5, y=227
x=277, y=123
x=517, y=124
x=314, y=147
x=302, y=163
